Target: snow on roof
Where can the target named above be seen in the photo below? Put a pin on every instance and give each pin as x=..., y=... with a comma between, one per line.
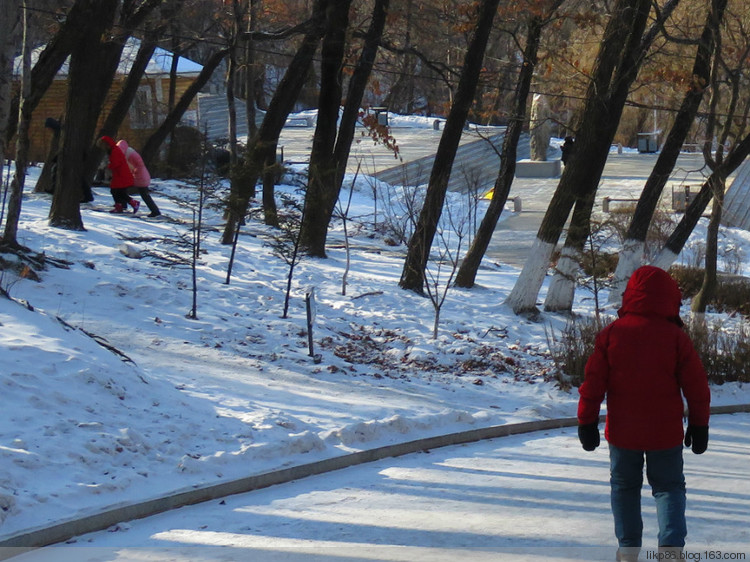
x=159, y=64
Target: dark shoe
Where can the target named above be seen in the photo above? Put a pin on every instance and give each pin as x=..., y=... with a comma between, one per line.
x=153, y=214
x=117, y=209
x=135, y=204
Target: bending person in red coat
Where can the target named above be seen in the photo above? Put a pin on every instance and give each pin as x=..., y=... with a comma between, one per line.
x=141, y=176
x=645, y=364
x=122, y=177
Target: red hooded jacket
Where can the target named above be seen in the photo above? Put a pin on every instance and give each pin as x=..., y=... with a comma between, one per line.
x=645, y=363
x=122, y=177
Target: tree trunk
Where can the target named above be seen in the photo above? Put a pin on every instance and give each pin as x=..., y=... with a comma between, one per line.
x=708, y=287
x=154, y=142
x=412, y=275
x=322, y=169
x=9, y=19
x=321, y=203
x=562, y=288
x=470, y=265
x=90, y=77
x=10, y=235
x=635, y=238
x=263, y=148
x=251, y=71
x=615, y=69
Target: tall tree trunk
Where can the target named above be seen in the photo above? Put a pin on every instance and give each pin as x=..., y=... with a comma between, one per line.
x=467, y=273
x=89, y=80
x=412, y=275
x=154, y=142
x=10, y=233
x=262, y=149
x=322, y=201
x=710, y=282
x=9, y=20
x=615, y=68
x=251, y=70
x=634, y=244
x=322, y=169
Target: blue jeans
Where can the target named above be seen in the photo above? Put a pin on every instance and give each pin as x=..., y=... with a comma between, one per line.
x=665, y=475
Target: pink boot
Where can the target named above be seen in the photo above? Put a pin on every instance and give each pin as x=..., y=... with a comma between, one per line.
x=117, y=209
x=135, y=204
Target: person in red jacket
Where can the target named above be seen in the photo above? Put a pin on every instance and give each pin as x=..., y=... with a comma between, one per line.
x=645, y=363
x=122, y=177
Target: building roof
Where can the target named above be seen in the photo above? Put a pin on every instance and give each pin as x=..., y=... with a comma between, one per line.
x=159, y=64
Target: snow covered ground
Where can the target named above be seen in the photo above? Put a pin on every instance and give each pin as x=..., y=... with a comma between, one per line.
x=522, y=498
x=234, y=391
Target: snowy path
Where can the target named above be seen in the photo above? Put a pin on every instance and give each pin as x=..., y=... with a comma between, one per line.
x=527, y=497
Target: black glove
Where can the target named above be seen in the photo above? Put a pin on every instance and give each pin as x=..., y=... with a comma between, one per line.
x=697, y=436
x=588, y=435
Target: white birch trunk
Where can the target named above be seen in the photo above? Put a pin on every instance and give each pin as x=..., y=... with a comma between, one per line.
x=665, y=259
x=631, y=258
x=523, y=296
x=563, y=286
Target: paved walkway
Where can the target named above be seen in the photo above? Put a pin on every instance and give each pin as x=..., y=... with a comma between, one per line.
x=477, y=164
x=523, y=498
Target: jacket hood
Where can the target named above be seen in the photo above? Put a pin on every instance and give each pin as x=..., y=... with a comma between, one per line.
x=109, y=141
x=651, y=291
x=122, y=145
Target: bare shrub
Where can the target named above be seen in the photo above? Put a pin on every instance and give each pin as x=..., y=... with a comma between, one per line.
x=732, y=293
x=571, y=349
x=724, y=350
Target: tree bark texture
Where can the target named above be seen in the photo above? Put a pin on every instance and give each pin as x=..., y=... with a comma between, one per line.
x=10, y=234
x=708, y=287
x=413, y=273
x=321, y=194
x=315, y=230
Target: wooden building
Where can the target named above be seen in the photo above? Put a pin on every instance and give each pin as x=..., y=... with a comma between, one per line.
x=146, y=113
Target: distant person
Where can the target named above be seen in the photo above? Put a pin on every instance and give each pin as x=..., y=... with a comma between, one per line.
x=141, y=177
x=567, y=149
x=645, y=363
x=122, y=177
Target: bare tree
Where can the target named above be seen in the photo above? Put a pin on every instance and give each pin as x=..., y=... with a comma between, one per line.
x=328, y=162
x=620, y=54
x=413, y=273
x=727, y=81
x=635, y=238
x=22, y=143
x=261, y=152
x=468, y=271
x=9, y=25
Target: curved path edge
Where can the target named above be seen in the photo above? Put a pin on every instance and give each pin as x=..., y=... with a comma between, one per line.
x=37, y=538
